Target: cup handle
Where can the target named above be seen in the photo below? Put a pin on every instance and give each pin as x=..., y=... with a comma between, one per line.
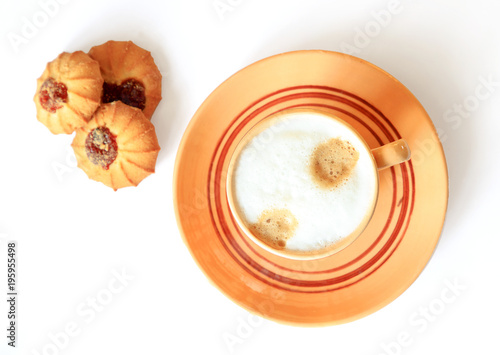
x=391, y=154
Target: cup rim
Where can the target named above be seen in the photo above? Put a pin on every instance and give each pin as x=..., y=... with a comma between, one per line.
x=334, y=247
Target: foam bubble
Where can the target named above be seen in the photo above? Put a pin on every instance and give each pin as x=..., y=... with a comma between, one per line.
x=332, y=162
x=275, y=226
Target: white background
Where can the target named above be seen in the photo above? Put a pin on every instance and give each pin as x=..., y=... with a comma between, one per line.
x=75, y=235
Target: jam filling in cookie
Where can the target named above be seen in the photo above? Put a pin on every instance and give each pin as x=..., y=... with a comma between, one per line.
x=53, y=95
x=101, y=147
x=130, y=92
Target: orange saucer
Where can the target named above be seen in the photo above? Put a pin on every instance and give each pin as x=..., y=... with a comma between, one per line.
x=399, y=240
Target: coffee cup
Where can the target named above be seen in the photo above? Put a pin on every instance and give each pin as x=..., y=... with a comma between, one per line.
x=303, y=184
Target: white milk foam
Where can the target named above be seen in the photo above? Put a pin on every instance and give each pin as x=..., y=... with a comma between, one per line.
x=272, y=171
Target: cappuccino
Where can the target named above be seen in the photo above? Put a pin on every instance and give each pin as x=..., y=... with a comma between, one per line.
x=303, y=181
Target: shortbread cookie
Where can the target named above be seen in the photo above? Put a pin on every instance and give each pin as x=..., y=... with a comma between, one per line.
x=68, y=92
x=130, y=75
x=118, y=147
